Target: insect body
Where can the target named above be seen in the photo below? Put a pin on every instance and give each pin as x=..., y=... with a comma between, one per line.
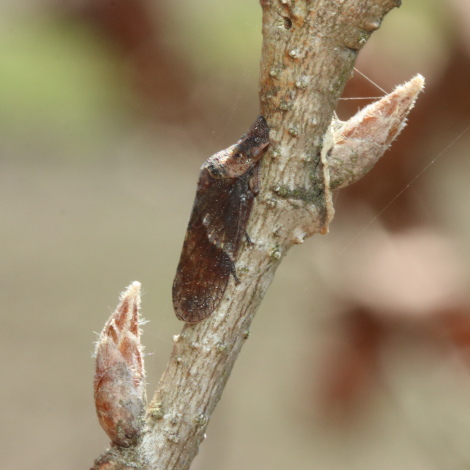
x=227, y=186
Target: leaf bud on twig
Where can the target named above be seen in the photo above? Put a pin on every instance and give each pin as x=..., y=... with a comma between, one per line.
x=119, y=382
x=357, y=144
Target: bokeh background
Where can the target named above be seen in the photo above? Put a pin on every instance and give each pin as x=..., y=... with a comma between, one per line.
x=358, y=357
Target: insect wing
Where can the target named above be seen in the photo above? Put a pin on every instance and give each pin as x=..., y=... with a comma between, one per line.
x=225, y=212
x=217, y=223
x=201, y=277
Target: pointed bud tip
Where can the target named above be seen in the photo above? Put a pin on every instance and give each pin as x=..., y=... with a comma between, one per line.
x=409, y=89
x=133, y=289
x=416, y=83
x=132, y=293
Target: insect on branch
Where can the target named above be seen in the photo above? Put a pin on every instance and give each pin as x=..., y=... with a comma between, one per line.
x=274, y=185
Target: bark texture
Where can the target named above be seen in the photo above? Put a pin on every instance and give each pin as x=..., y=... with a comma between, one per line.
x=309, y=50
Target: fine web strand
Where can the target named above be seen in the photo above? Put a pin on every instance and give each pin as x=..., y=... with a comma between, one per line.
x=243, y=82
x=405, y=188
x=366, y=97
x=370, y=81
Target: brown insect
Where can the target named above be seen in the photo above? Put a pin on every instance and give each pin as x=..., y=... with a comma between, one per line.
x=227, y=186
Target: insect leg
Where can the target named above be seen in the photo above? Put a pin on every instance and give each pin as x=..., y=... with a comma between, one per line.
x=234, y=272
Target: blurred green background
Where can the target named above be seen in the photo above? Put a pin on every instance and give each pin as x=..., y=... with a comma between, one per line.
x=107, y=111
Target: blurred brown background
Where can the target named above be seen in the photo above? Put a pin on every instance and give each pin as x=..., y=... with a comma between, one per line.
x=358, y=358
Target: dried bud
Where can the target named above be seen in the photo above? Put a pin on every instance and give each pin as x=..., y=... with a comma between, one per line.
x=357, y=144
x=119, y=382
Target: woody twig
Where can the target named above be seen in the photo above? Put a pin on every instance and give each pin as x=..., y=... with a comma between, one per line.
x=309, y=50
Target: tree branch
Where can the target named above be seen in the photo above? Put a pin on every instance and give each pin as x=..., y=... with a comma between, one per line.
x=309, y=50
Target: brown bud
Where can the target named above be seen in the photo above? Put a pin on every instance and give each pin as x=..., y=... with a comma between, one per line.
x=119, y=382
x=357, y=144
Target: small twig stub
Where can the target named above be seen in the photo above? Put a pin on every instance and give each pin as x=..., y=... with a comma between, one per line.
x=227, y=186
